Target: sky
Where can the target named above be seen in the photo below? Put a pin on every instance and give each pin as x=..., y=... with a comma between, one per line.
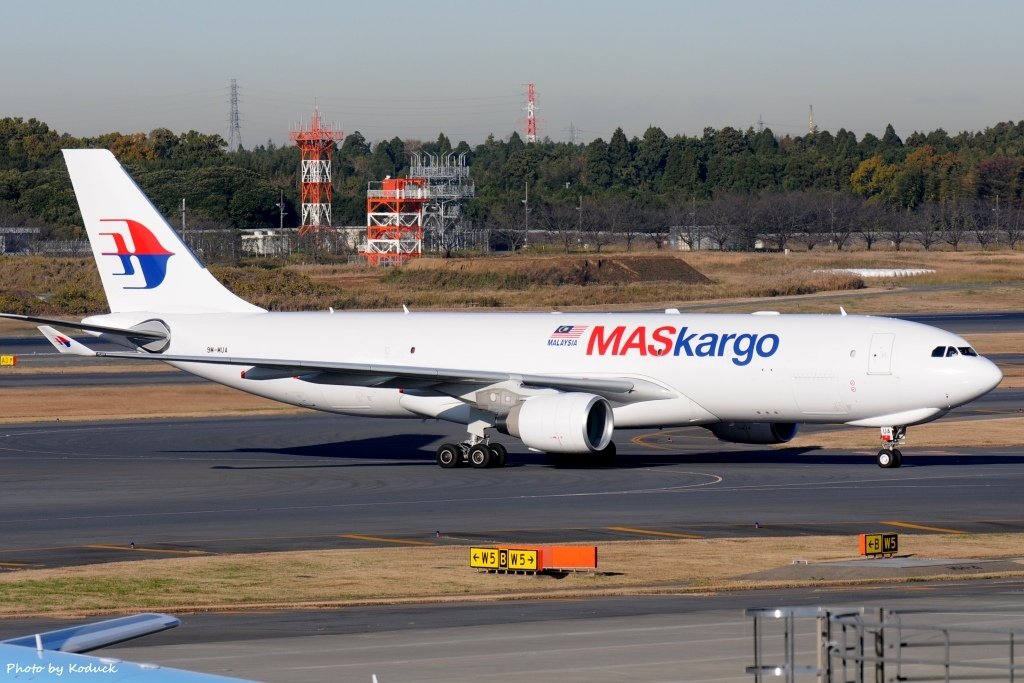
x=416, y=69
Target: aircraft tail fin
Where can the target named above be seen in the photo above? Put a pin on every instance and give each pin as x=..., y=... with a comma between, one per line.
x=143, y=263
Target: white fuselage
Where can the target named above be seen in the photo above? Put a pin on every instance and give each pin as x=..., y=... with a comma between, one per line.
x=857, y=370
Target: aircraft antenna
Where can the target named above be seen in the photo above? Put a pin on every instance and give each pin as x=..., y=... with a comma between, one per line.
x=234, y=121
x=316, y=143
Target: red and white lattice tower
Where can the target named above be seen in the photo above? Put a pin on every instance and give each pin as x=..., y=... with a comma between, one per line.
x=394, y=220
x=531, y=113
x=317, y=146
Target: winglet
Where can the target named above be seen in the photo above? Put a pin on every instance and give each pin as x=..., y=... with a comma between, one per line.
x=65, y=344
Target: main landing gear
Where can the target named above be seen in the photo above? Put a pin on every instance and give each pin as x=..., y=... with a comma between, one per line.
x=890, y=455
x=479, y=455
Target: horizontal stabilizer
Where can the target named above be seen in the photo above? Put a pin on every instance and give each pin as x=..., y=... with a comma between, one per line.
x=150, y=335
x=65, y=344
x=98, y=634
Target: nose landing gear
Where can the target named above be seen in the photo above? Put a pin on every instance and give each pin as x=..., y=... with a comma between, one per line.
x=890, y=456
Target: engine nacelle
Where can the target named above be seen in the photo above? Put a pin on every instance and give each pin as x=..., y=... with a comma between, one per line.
x=565, y=423
x=755, y=432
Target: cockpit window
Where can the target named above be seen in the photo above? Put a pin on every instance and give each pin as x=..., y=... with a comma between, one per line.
x=947, y=351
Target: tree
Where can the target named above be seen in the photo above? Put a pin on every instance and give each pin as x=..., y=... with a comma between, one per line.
x=685, y=170
x=777, y=217
x=597, y=170
x=599, y=222
x=354, y=145
x=927, y=225
x=902, y=225
x=651, y=156
x=985, y=221
x=195, y=150
x=659, y=227
x=507, y=225
x=728, y=221
x=628, y=220
x=891, y=146
x=955, y=223
x=1013, y=226
x=620, y=157
x=873, y=178
x=872, y=223
x=560, y=220
x=840, y=212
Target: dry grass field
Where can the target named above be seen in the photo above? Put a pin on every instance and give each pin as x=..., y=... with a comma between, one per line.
x=794, y=282
x=731, y=281
x=442, y=573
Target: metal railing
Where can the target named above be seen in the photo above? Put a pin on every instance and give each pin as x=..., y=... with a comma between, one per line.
x=861, y=644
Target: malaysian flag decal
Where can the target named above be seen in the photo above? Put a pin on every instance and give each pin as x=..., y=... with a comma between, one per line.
x=566, y=335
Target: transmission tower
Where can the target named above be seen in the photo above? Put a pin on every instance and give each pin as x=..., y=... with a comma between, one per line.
x=234, y=121
x=812, y=128
x=573, y=133
x=531, y=113
x=317, y=146
x=760, y=123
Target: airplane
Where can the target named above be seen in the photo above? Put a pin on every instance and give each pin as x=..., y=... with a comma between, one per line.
x=57, y=655
x=560, y=383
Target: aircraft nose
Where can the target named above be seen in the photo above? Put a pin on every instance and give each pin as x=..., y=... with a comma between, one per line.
x=972, y=381
x=988, y=376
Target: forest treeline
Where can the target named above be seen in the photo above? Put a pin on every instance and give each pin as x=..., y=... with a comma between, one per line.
x=727, y=188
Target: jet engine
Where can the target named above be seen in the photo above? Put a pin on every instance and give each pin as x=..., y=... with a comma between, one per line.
x=754, y=432
x=564, y=423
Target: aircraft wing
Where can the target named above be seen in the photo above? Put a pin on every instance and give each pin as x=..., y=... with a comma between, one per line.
x=383, y=375
x=618, y=389
x=98, y=634
x=55, y=655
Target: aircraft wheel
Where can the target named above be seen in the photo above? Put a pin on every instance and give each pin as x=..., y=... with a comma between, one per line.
x=448, y=455
x=480, y=455
x=897, y=457
x=887, y=459
x=499, y=454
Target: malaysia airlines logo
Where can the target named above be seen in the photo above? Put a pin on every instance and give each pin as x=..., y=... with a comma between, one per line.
x=146, y=251
x=566, y=335
x=63, y=341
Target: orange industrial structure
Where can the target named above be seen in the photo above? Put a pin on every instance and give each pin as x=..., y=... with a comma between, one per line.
x=317, y=146
x=394, y=220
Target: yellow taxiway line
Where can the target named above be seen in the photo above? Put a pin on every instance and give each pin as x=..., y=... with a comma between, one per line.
x=99, y=546
x=920, y=527
x=651, y=532
x=379, y=539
